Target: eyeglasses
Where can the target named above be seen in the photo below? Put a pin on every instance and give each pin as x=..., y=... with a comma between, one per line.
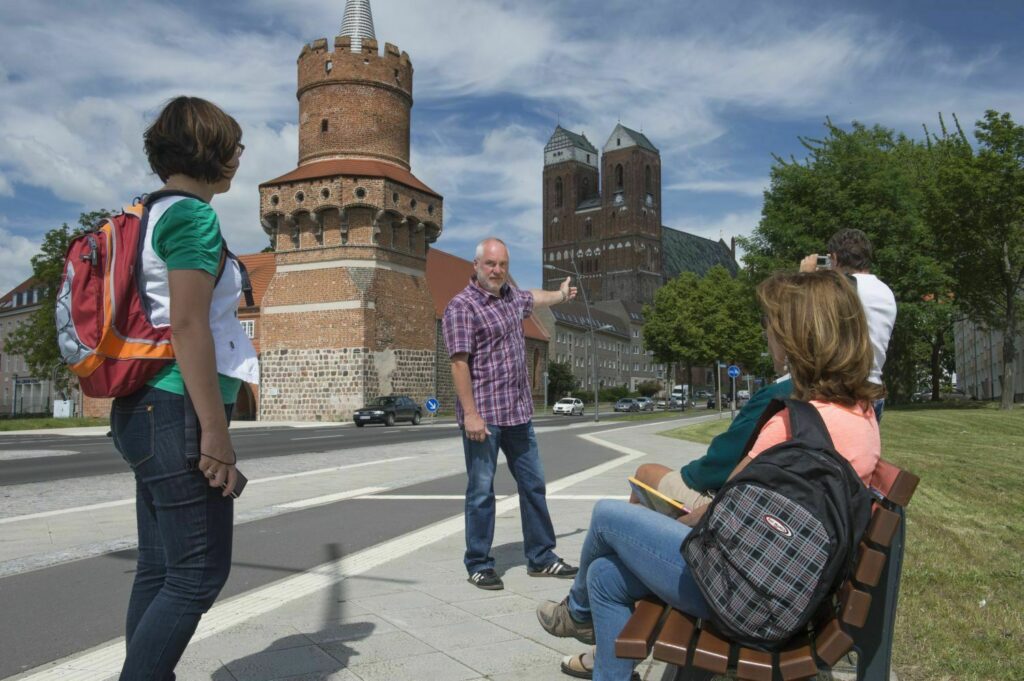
x=239, y=149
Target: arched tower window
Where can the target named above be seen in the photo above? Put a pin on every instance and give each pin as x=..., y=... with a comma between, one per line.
x=618, y=177
x=323, y=125
x=648, y=183
x=586, y=188
x=558, y=192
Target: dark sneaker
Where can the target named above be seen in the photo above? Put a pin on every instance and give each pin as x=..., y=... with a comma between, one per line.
x=558, y=621
x=559, y=569
x=486, y=579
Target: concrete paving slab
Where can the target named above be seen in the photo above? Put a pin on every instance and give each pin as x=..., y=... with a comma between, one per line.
x=434, y=666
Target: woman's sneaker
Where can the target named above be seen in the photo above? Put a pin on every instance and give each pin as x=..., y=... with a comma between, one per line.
x=486, y=579
x=559, y=569
x=558, y=621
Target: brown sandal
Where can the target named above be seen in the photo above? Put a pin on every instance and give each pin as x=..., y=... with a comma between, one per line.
x=573, y=666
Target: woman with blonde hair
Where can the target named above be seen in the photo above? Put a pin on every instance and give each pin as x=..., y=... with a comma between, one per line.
x=815, y=324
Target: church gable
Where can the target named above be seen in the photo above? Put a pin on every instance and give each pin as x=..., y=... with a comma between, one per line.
x=623, y=138
x=565, y=145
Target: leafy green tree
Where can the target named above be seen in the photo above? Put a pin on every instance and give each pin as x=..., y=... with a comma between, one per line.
x=698, y=321
x=877, y=181
x=36, y=339
x=978, y=217
x=561, y=381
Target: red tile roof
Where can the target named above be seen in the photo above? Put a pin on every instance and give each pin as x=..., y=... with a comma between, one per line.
x=261, y=268
x=353, y=167
x=7, y=300
x=448, y=274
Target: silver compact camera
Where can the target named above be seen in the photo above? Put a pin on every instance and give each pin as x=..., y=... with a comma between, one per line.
x=824, y=262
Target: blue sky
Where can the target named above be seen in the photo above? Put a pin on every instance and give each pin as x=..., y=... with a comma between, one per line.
x=718, y=86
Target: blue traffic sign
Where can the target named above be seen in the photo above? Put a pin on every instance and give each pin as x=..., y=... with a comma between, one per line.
x=734, y=371
x=432, y=405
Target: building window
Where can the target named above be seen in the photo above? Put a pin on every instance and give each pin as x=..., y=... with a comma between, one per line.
x=648, y=184
x=323, y=125
x=558, y=192
x=618, y=177
x=249, y=326
x=586, y=188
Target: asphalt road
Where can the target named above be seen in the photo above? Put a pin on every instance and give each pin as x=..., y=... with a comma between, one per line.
x=58, y=611
x=95, y=455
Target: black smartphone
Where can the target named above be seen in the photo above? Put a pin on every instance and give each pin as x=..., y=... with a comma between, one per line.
x=240, y=482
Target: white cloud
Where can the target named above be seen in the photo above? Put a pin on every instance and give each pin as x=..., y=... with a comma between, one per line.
x=726, y=227
x=5, y=186
x=752, y=188
x=15, y=257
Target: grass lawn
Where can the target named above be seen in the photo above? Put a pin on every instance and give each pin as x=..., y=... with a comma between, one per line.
x=961, y=609
x=36, y=424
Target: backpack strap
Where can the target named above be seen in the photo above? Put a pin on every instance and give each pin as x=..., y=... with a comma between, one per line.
x=806, y=425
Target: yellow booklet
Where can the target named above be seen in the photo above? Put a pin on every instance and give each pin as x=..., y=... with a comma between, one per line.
x=656, y=501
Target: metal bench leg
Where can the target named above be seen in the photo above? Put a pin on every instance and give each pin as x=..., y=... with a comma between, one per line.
x=873, y=641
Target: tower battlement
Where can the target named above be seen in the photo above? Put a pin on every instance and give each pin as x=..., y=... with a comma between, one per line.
x=319, y=65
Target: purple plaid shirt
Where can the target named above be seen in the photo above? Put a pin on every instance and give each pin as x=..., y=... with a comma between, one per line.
x=490, y=330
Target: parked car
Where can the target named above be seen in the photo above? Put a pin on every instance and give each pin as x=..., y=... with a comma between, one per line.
x=570, y=406
x=388, y=410
x=627, y=404
x=702, y=394
x=646, y=403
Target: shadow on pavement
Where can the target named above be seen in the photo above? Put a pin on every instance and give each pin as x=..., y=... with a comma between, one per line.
x=316, y=655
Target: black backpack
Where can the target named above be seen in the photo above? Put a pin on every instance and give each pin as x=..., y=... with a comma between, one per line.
x=781, y=535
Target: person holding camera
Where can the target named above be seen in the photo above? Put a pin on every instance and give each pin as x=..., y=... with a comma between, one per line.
x=849, y=253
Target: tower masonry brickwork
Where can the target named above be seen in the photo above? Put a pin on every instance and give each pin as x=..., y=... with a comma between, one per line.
x=348, y=315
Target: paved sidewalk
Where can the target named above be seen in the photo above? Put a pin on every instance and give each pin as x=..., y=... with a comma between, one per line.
x=403, y=609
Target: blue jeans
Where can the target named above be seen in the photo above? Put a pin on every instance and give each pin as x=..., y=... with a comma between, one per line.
x=629, y=552
x=184, y=527
x=879, y=408
x=519, y=443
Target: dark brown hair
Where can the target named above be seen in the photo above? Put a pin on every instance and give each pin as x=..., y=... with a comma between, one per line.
x=193, y=137
x=852, y=248
x=817, y=319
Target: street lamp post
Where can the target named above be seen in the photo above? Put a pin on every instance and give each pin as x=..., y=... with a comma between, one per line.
x=592, y=327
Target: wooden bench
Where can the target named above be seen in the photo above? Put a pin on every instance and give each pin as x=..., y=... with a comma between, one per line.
x=867, y=612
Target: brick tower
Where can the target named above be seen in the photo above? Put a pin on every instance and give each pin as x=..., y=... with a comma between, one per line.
x=348, y=315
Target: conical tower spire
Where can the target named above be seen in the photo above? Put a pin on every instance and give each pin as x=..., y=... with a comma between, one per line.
x=358, y=23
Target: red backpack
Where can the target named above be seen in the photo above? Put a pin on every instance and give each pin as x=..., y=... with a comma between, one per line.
x=103, y=326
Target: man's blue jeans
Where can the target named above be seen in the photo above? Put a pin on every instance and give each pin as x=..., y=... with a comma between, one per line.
x=629, y=552
x=519, y=443
x=184, y=527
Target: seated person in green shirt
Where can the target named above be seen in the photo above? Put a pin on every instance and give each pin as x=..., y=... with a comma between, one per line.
x=697, y=481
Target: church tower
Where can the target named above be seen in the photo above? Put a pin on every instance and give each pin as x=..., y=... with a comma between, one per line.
x=348, y=315
x=631, y=206
x=571, y=195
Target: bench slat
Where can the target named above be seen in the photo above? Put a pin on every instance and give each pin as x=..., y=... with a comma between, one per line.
x=832, y=643
x=883, y=526
x=869, y=566
x=797, y=662
x=711, y=653
x=636, y=638
x=854, y=605
x=754, y=665
x=896, y=484
x=673, y=642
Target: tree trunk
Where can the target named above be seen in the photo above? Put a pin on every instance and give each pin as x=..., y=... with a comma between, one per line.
x=937, y=344
x=1008, y=380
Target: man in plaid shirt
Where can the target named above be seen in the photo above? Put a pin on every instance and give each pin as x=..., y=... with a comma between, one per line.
x=483, y=330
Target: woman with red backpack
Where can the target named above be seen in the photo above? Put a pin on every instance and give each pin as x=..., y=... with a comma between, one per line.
x=173, y=432
x=815, y=324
